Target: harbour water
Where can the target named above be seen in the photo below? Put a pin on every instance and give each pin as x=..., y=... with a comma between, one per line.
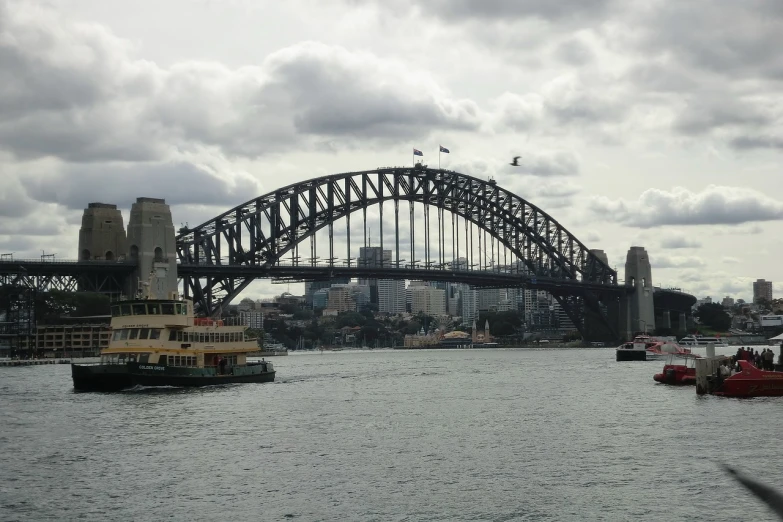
x=495, y=435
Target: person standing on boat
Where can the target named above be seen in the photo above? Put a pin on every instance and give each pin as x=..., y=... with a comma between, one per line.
x=222, y=365
x=217, y=364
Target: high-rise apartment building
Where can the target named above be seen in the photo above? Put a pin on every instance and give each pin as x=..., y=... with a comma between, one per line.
x=762, y=290
x=429, y=300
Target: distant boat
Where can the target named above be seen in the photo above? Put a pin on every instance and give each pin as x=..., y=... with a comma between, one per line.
x=647, y=348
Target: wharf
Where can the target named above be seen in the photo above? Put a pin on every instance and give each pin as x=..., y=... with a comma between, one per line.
x=33, y=362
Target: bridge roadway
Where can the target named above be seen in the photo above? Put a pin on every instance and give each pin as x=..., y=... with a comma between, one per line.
x=102, y=276
x=65, y=274
x=476, y=278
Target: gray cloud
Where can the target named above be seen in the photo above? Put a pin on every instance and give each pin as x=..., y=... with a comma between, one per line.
x=574, y=52
x=179, y=183
x=74, y=91
x=715, y=205
x=679, y=241
x=500, y=10
x=703, y=114
x=756, y=142
x=334, y=92
x=664, y=261
x=696, y=33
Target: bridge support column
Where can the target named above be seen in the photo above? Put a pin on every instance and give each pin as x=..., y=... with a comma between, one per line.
x=683, y=325
x=151, y=243
x=640, y=315
x=667, y=319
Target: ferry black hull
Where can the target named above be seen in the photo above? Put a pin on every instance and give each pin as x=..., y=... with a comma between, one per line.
x=120, y=377
x=631, y=355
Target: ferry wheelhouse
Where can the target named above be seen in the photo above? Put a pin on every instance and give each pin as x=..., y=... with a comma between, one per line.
x=160, y=343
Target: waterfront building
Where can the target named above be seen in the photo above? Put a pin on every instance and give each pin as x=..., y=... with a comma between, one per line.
x=67, y=340
x=252, y=319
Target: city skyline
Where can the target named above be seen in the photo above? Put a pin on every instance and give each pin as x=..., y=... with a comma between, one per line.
x=648, y=137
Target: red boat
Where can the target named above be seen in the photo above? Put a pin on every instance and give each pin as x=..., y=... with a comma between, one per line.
x=680, y=370
x=750, y=382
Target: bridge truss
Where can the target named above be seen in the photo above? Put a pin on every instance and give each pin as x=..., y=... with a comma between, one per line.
x=107, y=277
x=436, y=224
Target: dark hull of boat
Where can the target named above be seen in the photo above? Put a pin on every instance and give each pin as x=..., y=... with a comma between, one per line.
x=115, y=377
x=631, y=355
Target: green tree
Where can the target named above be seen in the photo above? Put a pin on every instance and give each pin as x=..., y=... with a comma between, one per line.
x=713, y=316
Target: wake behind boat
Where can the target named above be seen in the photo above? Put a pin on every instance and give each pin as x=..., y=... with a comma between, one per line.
x=160, y=343
x=647, y=348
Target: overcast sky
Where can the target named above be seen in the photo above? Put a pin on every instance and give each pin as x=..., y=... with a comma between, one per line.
x=651, y=123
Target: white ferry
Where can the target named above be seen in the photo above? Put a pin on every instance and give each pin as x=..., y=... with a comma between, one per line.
x=701, y=340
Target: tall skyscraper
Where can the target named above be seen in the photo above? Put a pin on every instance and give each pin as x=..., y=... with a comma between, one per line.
x=762, y=290
x=371, y=257
x=391, y=296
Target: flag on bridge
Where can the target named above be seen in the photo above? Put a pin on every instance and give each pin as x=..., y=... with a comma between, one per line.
x=417, y=152
x=443, y=149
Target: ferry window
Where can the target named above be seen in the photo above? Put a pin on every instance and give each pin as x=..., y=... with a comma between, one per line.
x=133, y=334
x=192, y=360
x=179, y=336
x=184, y=309
x=176, y=360
x=212, y=337
x=154, y=309
x=125, y=309
x=167, y=308
x=139, y=309
x=180, y=308
x=116, y=335
x=144, y=358
x=144, y=333
x=200, y=337
x=155, y=333
x=162, y=360
x=123, y=334
x=173, y=335
x=115, y=311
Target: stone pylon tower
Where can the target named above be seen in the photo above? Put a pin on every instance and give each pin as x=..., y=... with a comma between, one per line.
x=152, y=245
x=638, y=314
x=102, y=234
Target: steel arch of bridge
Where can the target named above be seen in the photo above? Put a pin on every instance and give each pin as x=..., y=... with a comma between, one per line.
x=262, y=231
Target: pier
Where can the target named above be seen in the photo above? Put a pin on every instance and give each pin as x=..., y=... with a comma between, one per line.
x=33, y=362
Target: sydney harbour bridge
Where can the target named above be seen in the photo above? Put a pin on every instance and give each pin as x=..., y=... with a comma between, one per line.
x=432, y=224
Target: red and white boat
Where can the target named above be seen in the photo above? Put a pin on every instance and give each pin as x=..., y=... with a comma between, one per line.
x=680, y=369
x=647, y=348
x=750, y=382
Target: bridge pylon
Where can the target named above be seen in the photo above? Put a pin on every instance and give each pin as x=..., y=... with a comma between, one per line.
x=638, y=309
x=152, y=246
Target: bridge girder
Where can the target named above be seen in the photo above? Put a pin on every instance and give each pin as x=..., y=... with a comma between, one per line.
x=262, y=231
